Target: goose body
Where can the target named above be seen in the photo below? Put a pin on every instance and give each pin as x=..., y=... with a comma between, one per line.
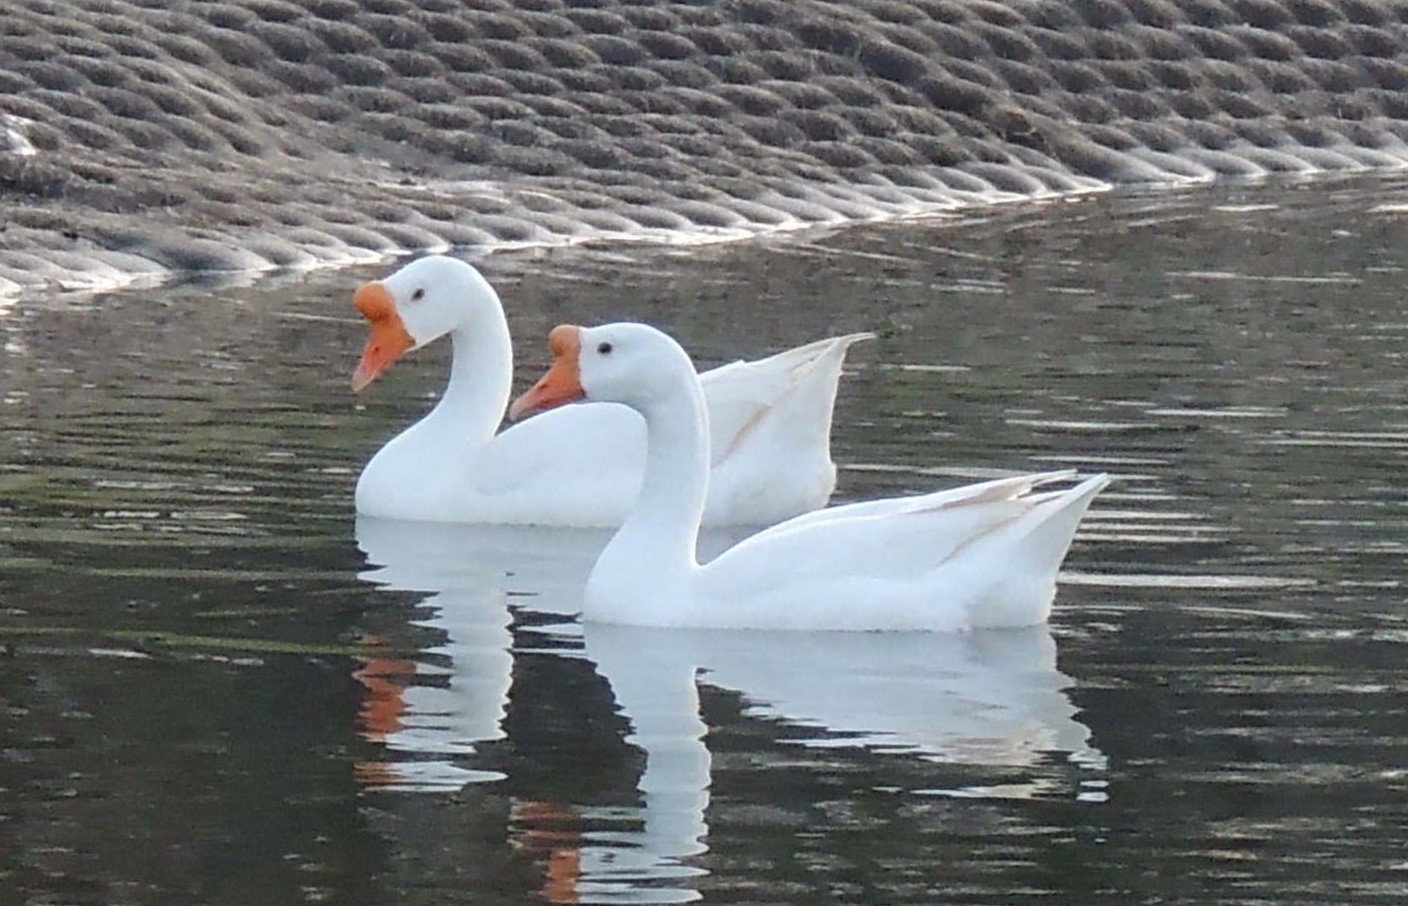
x=981, y=556
x=577, y=466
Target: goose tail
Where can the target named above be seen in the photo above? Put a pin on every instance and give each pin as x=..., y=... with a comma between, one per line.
x=1058, y=514
x=817, y=376
x=1018, y=582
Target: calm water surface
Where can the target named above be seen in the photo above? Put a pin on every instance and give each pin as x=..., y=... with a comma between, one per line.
x=220, y=687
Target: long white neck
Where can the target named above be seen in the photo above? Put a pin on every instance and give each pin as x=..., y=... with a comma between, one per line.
x=662, y=531
x=481, y=376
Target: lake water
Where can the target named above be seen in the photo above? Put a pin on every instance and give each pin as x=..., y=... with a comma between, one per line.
x=219, y=687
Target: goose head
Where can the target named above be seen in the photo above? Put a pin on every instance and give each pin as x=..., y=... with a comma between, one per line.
x=633, y=364
x=417, y=305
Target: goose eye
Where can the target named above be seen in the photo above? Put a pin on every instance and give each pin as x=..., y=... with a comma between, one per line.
x=604, y=349
x=418, y=294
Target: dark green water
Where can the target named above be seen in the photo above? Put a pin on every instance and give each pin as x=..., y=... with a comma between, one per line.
x=217, y=687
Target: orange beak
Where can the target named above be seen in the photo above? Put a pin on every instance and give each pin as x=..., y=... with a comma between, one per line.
x=562, y=383
x=388, y=340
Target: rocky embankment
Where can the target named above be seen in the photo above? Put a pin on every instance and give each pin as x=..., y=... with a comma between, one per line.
x=139, y=139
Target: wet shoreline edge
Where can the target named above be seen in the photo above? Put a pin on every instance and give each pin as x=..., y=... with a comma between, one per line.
x=244, y=136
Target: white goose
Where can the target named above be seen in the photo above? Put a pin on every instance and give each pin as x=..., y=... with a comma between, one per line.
x=982, y=556
x=581, y=466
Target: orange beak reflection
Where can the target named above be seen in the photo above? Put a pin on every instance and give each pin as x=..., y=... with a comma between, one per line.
x=562, y=383
x=389, y=339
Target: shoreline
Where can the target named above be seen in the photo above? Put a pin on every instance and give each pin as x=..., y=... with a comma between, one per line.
x=139, y=144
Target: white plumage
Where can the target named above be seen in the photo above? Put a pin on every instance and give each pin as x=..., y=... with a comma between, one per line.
x=982, y=556
x=576, y=466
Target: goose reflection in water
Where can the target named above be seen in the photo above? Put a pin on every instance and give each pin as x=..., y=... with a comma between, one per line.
x=978, y=699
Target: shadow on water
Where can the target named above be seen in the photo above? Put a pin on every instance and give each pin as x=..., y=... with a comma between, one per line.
x=216, y=686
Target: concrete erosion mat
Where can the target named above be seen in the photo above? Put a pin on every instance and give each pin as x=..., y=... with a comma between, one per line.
x=140, y=138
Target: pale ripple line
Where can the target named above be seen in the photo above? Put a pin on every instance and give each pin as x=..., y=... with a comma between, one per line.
x=1228, y=412
x=1335, y=279
x=1334, y=442
x=1210, y=610
x=1357, y=435
x=1101, y=460
x=1208, y=536
x=1034, y=789
x=1149, y=515
x=1063, y=425
x=935, y=369
x=1244, y=208
x=1200, y=582
x=825, y=251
